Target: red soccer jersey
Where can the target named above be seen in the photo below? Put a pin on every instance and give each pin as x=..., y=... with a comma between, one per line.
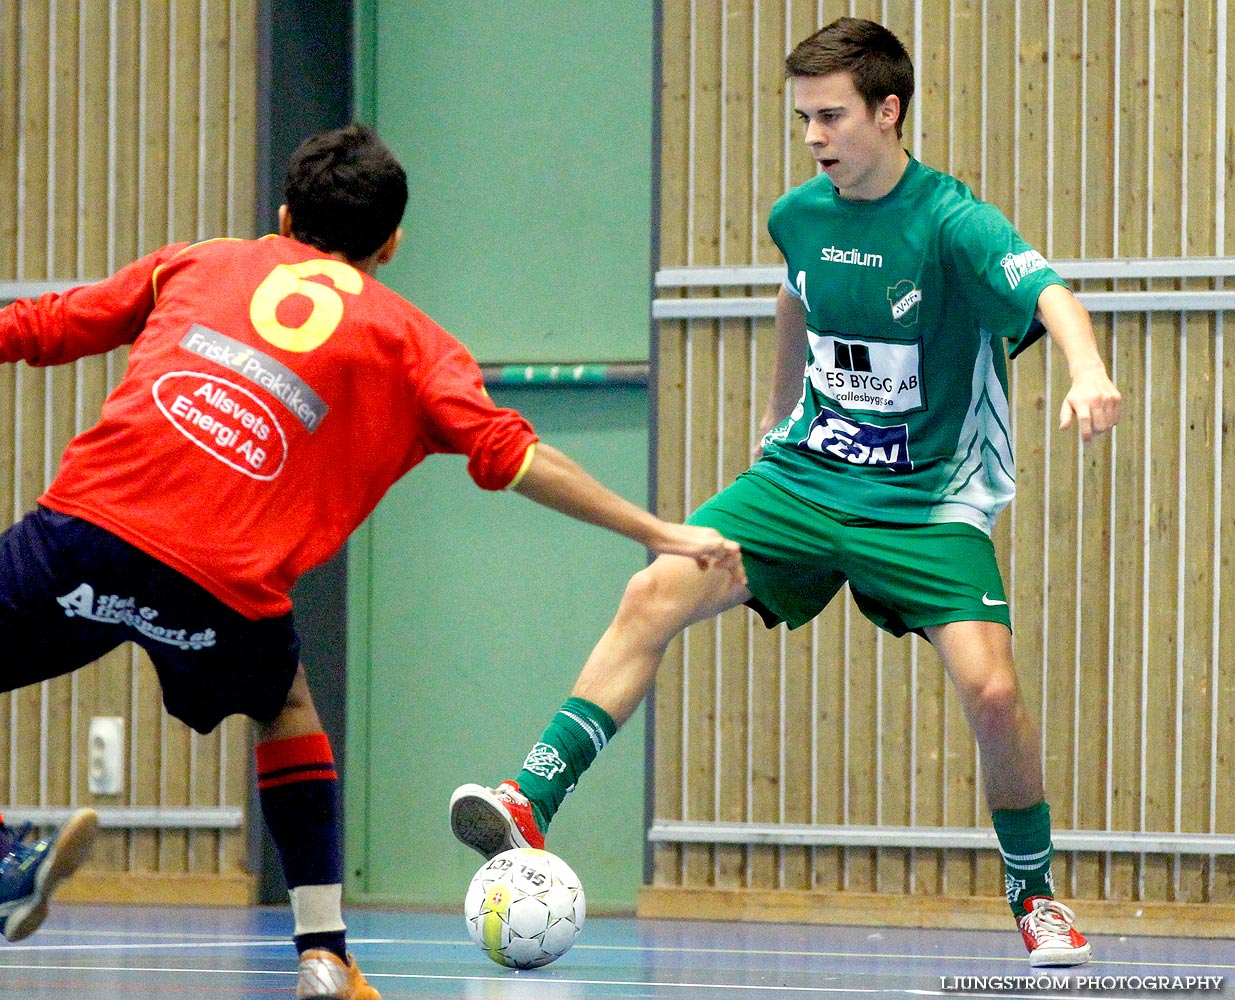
x=273, y=395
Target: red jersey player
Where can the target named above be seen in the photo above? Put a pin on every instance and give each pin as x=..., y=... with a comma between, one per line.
x=275, y=390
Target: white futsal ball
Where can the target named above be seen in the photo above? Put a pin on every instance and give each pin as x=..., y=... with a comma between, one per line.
x=525, y=908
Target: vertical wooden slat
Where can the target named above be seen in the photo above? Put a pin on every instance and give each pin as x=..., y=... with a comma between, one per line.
x=670, y=417
x=863, y=731
x=829, y=641
x=702, y=357
x=10, y=137
x=153, y=134
x=34, y=58
x=1076, y=186
x=964, y=134
x=1163, y=514
x=1197, y=457
x=1223, y=726
x=796, y=780
x=746, y=727
x=892, y=874
x=1065, y=502
x=1128, y=365
x=28, y=402
x=11, y=148
x=100, y=688
x=59, y=384
x=701, y=640
x=999, y=172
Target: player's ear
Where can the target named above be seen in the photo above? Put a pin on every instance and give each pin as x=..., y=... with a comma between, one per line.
x=888, y=111
x=388, y=248
x=285, y=221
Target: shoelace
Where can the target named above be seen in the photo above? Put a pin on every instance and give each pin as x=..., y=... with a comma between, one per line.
x=1051, y=922
x=508, y=791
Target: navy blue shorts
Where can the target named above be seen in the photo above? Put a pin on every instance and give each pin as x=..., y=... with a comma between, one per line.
x=71, y=591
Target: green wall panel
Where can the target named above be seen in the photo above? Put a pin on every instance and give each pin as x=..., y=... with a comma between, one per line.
x=526, y=130
x=482, y=610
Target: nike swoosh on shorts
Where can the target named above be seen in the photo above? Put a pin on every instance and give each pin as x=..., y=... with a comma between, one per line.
x=991, y=604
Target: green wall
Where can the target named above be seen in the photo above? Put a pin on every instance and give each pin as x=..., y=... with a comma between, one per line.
x=526, y=131
x=528, y=149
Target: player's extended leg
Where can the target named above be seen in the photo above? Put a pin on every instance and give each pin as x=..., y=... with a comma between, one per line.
x=299, y=792
x=659, y=602
x=978, y=658
x=40, y=643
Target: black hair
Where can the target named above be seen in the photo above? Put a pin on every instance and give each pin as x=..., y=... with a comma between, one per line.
x=346, y=192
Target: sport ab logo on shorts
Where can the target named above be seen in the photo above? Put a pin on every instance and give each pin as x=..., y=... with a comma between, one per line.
x=112, y=609
x=544, y=761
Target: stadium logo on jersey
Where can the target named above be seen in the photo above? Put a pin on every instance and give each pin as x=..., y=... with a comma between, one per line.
x=905, y=297
x=867, y=376
x=854, y=256
x=1017, y=265
x=837, y=437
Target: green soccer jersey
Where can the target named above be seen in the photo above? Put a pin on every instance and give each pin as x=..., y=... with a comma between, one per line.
x=909, y=299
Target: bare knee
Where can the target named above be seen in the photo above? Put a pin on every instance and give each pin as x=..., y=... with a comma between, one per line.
x=647, y=591
x=672, y=593
x=994, y=707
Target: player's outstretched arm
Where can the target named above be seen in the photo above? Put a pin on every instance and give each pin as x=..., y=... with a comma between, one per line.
x=1092, y=401
x=60, y=327
x=556, y=481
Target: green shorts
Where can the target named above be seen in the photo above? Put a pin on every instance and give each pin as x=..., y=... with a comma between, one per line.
x=904, y=577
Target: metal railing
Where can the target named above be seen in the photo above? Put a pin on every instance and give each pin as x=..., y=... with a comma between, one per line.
x=1123, y=269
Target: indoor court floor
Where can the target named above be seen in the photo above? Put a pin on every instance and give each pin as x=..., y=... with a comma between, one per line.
x=110, y=953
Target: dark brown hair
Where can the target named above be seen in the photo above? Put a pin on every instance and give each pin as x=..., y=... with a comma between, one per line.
x=868, y=52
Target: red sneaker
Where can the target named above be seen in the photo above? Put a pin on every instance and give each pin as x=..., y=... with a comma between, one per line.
x=1049, y=934
x=493, y=820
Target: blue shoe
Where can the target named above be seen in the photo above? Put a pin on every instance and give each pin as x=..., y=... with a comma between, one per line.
x=30, y=873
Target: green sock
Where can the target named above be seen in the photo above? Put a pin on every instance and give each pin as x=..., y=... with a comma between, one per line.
x=578, y=732
x=1025, y=843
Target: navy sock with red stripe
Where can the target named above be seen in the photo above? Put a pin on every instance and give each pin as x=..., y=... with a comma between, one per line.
x=299, y=791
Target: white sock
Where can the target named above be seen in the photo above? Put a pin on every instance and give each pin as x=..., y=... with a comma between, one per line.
x=318, y=909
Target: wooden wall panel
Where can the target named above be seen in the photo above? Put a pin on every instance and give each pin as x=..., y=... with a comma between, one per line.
x=1102, y=130
x=124, y=126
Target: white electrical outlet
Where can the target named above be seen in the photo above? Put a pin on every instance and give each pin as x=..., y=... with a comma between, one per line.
x=106, y=755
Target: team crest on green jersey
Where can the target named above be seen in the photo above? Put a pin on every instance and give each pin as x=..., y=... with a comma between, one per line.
x=904, y=298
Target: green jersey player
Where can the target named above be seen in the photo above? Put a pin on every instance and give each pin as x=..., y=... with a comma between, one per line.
x=885, y=456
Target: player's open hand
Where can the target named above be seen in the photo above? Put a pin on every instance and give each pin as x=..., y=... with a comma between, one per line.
x=704, y=545
x=1093, y=403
